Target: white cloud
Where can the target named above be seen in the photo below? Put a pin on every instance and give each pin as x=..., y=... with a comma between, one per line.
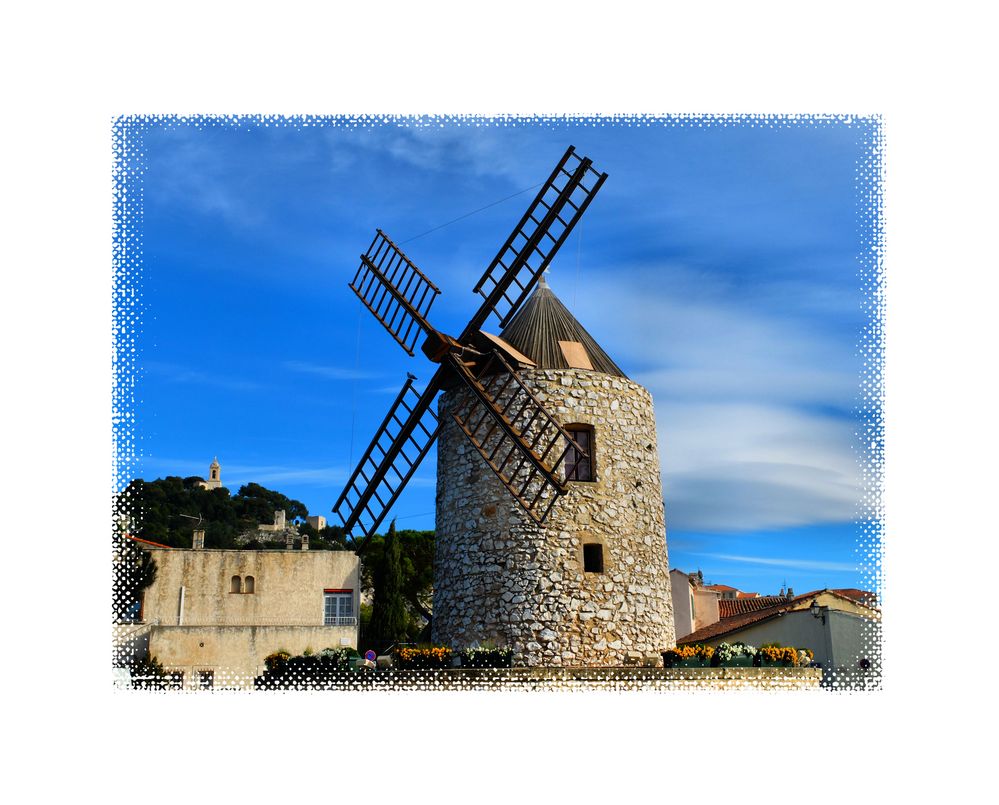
x=189, y=175
x=330, y=372
x=795, y=564
x=174, y=373
x=752, y=405
x=432, y=148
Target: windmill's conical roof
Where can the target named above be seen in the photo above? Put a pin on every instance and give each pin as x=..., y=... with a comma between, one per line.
x=542, y=323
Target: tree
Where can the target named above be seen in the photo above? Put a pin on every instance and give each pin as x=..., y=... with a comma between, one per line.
x=389, y=618
x=163, y=511
x=257, y=504
x=417, y=562
x=134, y=571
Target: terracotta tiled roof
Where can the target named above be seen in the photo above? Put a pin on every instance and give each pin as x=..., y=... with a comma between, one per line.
x=147, y=542
x=860, y=596
x=738, y=613
x=740, y=621
x=728, y=607
x=741, y=594
x=720, y=588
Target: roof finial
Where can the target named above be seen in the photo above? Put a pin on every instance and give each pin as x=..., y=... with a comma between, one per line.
x=543, y=280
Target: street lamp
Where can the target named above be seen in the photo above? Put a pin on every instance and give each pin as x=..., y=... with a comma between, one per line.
x=817, y=611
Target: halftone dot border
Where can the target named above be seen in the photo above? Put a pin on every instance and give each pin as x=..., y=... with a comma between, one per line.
x=128, y=305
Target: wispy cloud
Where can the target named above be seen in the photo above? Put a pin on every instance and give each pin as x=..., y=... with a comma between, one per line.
x=235, y=474
x=187, y=175
x=175, y=373
x=752, y=404
x=436, y=149
x=329, y=372
x=792, y=564
x=741, y=466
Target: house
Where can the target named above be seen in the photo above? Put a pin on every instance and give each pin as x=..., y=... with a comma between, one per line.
x=212, y=616
x=694, y=605
x=840, y=626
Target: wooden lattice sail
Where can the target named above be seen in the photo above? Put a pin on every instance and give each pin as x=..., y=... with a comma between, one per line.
x=518, y=438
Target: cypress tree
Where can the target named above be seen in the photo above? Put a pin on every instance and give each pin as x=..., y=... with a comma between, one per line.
x=388, y=613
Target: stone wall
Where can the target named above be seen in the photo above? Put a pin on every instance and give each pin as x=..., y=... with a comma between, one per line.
x=235, y=654
x=500, y=577
x=553, y=680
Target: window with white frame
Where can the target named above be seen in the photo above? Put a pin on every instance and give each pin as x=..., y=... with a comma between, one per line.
x=338, y=608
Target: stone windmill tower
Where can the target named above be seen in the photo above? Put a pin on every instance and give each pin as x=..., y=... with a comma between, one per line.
x=550, y=531
x=590, y=585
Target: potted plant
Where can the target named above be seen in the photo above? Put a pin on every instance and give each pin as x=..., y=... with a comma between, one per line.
x=423, y=657
x=733, y=655
x=773, y=655
x=690, y=656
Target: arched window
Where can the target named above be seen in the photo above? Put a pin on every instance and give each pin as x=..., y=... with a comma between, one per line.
x=235, y=586
x=579, y=466
x=593, y=558
x=248, y=584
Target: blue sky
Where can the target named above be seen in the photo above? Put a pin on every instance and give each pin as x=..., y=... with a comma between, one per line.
x=719, y=266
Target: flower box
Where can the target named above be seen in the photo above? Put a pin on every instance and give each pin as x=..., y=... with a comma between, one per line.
x=423, y=658
x=696, y=656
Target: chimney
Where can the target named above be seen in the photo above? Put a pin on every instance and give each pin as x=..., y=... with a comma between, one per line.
x=199, y=539
x=305, y=542
x=289, y=540
x=790, y=592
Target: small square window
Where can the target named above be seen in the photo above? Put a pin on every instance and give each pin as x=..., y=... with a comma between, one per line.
x=593, y=558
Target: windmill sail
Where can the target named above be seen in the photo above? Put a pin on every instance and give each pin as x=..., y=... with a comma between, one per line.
x=401, y=443
x=395, y=291
x=507, y=424
x=535, y=240
x=519, y=440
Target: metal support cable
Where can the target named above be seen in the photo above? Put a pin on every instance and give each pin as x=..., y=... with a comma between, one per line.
x=473, y=212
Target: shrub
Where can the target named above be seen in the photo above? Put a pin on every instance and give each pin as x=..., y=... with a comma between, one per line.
x=486, y=657
x=148, y=673
x=274, y=662
x=307, y=670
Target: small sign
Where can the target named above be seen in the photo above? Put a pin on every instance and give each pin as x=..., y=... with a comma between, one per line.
x=370, y=656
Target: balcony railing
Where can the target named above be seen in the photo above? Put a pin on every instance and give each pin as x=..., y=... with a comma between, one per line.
x=331, y=620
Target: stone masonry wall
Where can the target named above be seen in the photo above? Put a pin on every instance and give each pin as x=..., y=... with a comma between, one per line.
x=500, y=577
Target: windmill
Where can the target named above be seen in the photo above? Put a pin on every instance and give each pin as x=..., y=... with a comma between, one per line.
x=523, y=444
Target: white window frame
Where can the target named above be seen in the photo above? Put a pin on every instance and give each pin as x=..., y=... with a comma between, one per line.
x=338, y=608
